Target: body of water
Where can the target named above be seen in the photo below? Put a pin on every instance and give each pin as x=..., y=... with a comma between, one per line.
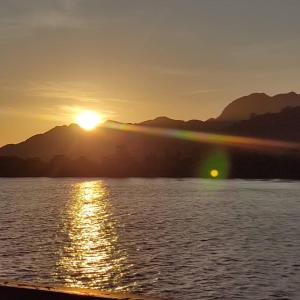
x=179, y=239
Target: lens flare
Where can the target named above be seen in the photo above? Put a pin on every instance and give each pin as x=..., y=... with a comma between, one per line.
x=214, y=173
x=215, y=165
x=208, y=138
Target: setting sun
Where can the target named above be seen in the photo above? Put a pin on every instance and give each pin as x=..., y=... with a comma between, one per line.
x=89, y=120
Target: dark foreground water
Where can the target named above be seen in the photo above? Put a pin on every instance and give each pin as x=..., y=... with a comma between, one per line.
x=180, y=239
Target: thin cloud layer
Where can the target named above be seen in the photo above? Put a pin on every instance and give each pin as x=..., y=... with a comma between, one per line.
x=141, y=59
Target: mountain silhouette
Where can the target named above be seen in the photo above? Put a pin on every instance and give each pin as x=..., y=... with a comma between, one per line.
x=279, y=126
x=113, y=151
x=258, y=103
x=71, y=141
x=166, y=122
x=74, y=142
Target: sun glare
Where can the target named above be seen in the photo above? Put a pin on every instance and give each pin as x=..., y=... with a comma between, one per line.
x=89, y=120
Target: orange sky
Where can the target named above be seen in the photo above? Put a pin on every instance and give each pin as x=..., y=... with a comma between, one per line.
x=133, y=60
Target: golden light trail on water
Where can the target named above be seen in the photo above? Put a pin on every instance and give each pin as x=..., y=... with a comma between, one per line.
x=203, y=137
x=92, y=257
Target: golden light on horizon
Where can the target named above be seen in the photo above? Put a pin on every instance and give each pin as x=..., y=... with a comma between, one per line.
x=89, y=120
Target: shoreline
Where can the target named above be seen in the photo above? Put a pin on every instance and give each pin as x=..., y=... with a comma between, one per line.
x=10, y=290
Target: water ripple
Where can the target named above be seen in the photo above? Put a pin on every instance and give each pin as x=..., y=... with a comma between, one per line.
x=180, y=239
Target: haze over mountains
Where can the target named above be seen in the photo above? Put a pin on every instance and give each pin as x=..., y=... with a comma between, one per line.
x=252, y=115
x=108, y=151
x=113, y=152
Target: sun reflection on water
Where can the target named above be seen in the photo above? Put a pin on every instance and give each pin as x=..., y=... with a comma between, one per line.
x=92, y=256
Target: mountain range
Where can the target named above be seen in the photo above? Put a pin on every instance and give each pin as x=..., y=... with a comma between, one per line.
x=257, y=104
x=257, y=115
x=142, y=150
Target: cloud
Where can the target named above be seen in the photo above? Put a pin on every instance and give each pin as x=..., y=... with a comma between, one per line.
x=74, y=91
x=20, y=18
x=58, y=101
x=63, y=114
x=204, y=91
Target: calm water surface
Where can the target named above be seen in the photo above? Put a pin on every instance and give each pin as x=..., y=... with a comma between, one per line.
x=180, y=239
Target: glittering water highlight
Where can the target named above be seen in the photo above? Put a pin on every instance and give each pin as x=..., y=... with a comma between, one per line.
x=175, y=238
x=92, y=254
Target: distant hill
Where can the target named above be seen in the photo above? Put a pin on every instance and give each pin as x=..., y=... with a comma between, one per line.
x=258, y=103
x=166, y=122
x=71, y=141
x=74, y=142
x=280, y=126
x=111, y=152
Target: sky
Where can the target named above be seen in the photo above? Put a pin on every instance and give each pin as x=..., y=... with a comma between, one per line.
x=133, y=60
